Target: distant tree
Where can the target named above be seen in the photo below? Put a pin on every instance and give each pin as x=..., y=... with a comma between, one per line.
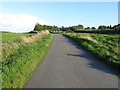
x=63, y=28
x=79, y=27
x=116, y=27
x=55, y=26
x=102, y=27
x=88, y=28
x=110, y=27
x=72, y=29
x=37, y=27
x=93, y=28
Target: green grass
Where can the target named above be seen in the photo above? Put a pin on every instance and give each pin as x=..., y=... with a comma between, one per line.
x=19, y=65
x=8, y=37
x=103, y=46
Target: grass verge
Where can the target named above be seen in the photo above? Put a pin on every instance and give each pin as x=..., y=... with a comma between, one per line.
x=19, y=64
x=104, y=47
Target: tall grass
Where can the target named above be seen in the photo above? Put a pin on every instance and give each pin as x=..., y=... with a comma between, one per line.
x=103, y=46
x=18, y=65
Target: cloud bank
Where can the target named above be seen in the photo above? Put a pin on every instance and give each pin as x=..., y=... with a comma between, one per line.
x=19, y=22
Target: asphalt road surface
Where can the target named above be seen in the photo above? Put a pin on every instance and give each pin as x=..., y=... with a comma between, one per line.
x=68, y=65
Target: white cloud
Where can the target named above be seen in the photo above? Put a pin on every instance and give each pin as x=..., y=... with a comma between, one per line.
x=19, y=22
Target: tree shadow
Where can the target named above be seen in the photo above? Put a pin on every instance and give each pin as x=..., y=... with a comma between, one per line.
x=93, y=61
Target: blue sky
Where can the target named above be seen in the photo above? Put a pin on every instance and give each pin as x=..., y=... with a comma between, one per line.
x=66, y=13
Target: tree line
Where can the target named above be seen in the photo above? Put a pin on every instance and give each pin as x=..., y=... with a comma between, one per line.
x=39, y=27
x=81, y=28
x=77, y=28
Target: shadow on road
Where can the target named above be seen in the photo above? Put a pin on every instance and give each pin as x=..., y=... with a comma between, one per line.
x=93, y=62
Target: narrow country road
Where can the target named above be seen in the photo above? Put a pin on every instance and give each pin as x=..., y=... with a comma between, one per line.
x=67, y=65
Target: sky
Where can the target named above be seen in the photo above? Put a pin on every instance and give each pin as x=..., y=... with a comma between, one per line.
x=22, y=16
x=119, y=12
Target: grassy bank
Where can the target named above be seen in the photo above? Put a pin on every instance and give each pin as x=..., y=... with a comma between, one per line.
x=18, y=65
x=102, y=46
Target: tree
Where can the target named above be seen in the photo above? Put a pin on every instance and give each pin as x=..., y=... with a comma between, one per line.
x=72, y=29
x=116, y=27
x=62, y=28
x=93, y=28
x=102, y=27
x=88, y=28
x=37, y=27
x=110, y=27
x=78, y=27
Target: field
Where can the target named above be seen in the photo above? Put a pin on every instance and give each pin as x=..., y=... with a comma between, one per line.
x=103, y=46
x=8, y=37
x=18, y=56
